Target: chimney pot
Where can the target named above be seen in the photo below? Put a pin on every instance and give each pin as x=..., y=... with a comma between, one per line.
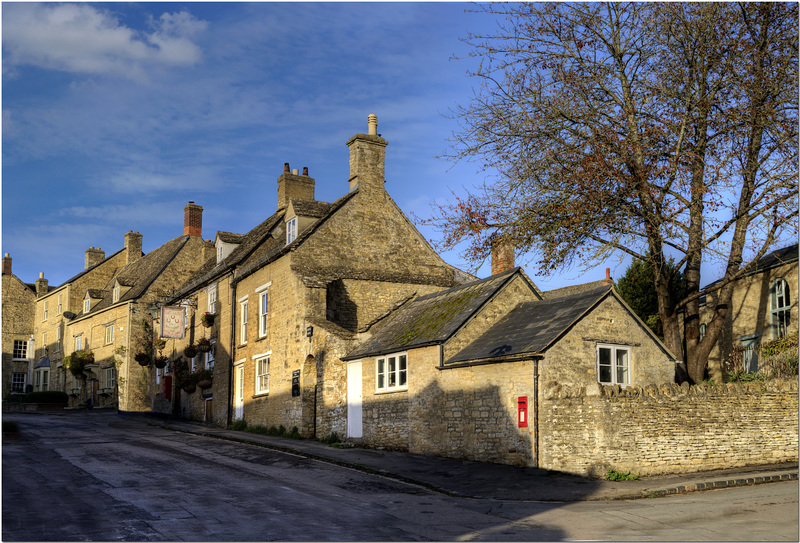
x=294, y=171
x=372, y=123
x=285, y=167
x=305, y=170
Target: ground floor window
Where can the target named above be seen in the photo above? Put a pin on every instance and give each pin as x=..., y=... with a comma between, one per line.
x=613, y=365
x=41, y=380
x=392, y=372
x=108, y=377
x=18, y=383
x=262, y=375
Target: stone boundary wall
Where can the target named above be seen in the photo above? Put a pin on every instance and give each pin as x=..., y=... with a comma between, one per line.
x=667, y=428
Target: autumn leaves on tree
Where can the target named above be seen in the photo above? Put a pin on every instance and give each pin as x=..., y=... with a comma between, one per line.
x=656, y=130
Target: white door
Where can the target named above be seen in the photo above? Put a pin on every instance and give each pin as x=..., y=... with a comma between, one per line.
x=238, y=400
x=354, y=399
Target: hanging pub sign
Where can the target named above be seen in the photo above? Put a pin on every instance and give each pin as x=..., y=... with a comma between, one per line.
x=172, y=322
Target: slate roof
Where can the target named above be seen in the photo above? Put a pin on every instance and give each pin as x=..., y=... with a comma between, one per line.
x=531, y=327
x=431, y=319
x=211, y=269
x=573, y=289
x=230, y=237
x=87, y=270
x=139, y=274
x=771, y=260
x=310, y=208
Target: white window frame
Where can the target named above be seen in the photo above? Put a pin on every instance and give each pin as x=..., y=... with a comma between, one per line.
x=41, y=379
x=60, y=304
x=109, y=334
x=108, y=377
x=209, y=363
x=45, y=310
x=291, y=230
x=86, y=305
x=44, y=343
x=20, y=347
x=613, y=365
x=391, y=372
x=116, y=294
x=263, y=309
x=18, y=382
x=59, y=337
x=212, y=299
x=779, y=308
x=78, y=343
x=262, y=372
x=243, y=310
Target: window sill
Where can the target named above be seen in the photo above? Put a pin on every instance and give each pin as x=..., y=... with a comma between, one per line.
x=260, y=395
x=392, y=390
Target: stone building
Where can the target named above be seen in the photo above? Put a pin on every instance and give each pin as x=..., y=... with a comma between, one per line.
x=103, y=311
x=460, y=372
x=19, y=309
x=763, y=308
x=293, y=295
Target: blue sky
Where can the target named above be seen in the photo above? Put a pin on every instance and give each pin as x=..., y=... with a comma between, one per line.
x=116, y=115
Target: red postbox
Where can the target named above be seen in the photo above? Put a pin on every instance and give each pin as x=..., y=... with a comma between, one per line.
x=522, y=411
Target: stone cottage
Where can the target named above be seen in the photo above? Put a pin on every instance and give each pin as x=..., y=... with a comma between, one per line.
x=763, y=309
x=460, y=372
x=290, y=298
x=103, y=312
x=19, y=310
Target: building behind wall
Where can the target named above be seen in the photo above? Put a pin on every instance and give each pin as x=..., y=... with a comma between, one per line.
x=297, y=292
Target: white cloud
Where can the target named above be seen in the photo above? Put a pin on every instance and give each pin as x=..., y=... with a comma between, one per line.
x=79, y=38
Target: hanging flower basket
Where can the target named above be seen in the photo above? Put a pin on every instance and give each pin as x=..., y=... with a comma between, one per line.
x=203, y=345
x=142, y=358
x=160, y=343
x=189, y=388
x=160, y=362
x=190, y=351
x=205, y=379
x=207, y=319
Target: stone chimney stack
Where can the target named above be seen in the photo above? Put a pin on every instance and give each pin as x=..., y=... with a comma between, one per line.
x=41, y=285
x=133, y=247
x=367, y=159
x=93, y=256
x=193, y=220
x=292, y=185
x=6, y=265
x=608, y=280
x=502, y=254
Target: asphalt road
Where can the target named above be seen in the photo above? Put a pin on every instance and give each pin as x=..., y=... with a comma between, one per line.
x=81, y=476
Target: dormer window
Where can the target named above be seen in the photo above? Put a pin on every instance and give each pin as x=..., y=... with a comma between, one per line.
x=219, y=254
x=86, y=305
x=291, y=230
x=116, y=293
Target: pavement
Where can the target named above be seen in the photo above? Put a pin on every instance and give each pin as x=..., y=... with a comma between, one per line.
x=483, y=480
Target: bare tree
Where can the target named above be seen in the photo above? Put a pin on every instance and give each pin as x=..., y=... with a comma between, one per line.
x=654, y=130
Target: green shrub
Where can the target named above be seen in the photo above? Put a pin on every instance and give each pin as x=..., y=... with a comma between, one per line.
x=238, y=425
x=614, y=475
x=332, y=439
x=47, y=396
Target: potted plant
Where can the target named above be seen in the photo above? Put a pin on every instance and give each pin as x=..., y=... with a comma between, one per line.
x=142, y=358
x=160, y=361
x=76, y=362
x=203, y=345
x=190, y=351
x=159, y=343
x=207, y=319
x=204, y=378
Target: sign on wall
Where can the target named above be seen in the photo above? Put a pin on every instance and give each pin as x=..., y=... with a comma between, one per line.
x=172, y=325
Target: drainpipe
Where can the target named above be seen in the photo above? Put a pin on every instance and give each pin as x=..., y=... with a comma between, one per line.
x=231, y=355
x=535, y=412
